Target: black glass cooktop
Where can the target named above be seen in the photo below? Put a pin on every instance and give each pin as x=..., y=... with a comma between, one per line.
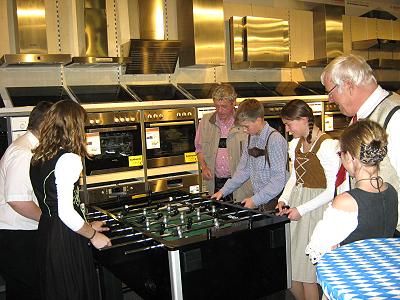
x=100, y=93
x=287, y=88
x=252, y=89
x=314, y=86
x=199, y=90
x=157, y=92
x=30, y=96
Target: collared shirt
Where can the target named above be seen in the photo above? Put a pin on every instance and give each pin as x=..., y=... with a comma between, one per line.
x=392, y=130
x=372, y=101
x=222, y=169
x=267, y=180
x=15, y=184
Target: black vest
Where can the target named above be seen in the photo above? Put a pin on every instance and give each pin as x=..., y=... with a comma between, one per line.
x=377, y=214
x=44, y=185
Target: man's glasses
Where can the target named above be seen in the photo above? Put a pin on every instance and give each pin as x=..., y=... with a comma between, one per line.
x=331, y=90
x=340, y=153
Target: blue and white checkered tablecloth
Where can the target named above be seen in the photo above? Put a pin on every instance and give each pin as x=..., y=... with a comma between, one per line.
x=367, y=269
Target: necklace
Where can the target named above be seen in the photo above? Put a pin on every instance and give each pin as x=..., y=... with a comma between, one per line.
x=374, y=179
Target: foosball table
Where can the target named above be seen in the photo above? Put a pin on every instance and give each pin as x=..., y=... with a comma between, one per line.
x=187, y=246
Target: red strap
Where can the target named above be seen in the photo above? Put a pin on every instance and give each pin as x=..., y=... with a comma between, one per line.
x=341, y=175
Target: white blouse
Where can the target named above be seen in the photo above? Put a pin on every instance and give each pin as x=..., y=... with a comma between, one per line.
x=67, y=171
x=335, y=227
x=330, y=162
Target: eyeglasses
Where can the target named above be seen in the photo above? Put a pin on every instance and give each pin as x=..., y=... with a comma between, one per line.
x=331, y=90
x=339, y=153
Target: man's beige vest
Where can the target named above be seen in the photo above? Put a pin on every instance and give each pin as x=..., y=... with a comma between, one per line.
x=235, y=143
x=379, y=115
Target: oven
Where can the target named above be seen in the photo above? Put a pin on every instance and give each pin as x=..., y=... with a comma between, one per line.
x=334, y=121
x=170, y=151
x=272, y=114
x=115, y=168
x=114, y=142
x=170, y=136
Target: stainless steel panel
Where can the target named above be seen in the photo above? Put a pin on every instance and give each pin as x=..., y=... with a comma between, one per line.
x=151, y=19
x=237, y=40
x=175, y=114
x=328, y=34
x=267, y=39
x=166, y=161
x=117, y=118
x=328, y=31
x=95, y=28
x=31, y=22
x=201, y=29
x=260, y=43
x=180, y=182
x=34, y=59
x=108, y=193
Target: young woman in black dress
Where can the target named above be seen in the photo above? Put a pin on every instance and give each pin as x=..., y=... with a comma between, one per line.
x=369, y=209
x=66, y=267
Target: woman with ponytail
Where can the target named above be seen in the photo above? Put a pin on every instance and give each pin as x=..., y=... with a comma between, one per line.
x=369, y=209
x=314, y=165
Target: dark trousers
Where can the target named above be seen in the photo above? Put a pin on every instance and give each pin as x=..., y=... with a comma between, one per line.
x=219, y=183
x=18, y=263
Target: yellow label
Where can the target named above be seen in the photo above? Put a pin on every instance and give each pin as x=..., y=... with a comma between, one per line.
x=190, y=157
x=138, y=196
x=136, y=161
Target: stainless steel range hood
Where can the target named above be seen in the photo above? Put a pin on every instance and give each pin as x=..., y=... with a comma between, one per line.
x=259, y=43
x=16, y=60
x=93, y=36
x=201, y=30
x=150, y=52
x=151, y=56
x=30, y=37
x=328, y=34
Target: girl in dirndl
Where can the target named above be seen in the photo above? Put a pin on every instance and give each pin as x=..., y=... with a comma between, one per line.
x=311, y=186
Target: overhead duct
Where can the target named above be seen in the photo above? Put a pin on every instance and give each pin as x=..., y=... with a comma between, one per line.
x=201, y=30
x=93, y=35
x=259, y=43
x=151, y=53
x=31, y=36
x=328, y=34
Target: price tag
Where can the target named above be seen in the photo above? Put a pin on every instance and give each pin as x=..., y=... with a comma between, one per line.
x=328, y=123
x=93, y=143
x=153, y=138
x=190, y=157
x=135, y=160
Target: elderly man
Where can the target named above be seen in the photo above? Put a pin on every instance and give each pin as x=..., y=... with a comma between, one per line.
x=219, y=143
x=263, y=161
x=351, y=84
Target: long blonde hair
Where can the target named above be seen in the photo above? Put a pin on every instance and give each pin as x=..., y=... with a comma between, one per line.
x=63, y=128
